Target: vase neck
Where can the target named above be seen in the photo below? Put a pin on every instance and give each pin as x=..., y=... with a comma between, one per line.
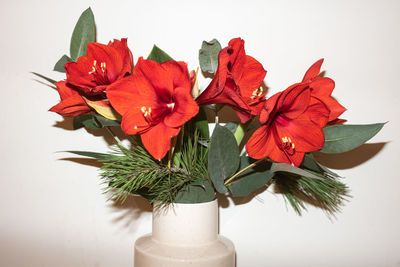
x=186, y=224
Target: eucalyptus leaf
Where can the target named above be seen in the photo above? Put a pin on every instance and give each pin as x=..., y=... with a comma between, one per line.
x=106, y=122
x=232, y=126
x=342, y=138
x=86, y=120
x=158, y=55
x=197, y=192
x=208, y=56
x=252, y=179
x=223, y=157
x=61, y=62
x=44, y=77
x=93, y=121
x=89, y=154
x=84, y=32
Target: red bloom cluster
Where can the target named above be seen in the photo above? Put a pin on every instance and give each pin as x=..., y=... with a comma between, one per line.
x=237, y=82
x=292, y=120
x=155, y=99
x=155, y=102
x=89, y=77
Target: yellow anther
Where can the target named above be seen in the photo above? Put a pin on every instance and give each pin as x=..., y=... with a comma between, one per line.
x=146, y=111
x=257, y=93
x=93, y=67
x=103, y=66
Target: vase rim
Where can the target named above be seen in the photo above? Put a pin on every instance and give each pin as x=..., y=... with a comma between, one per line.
x=157, y=203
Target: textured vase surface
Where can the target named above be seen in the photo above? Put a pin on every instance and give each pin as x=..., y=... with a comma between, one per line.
x=185, y=235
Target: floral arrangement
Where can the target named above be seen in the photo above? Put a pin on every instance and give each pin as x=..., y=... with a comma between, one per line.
x=164, y=114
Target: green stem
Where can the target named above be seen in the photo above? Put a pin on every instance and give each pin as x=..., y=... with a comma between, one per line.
x=242, y=170
x=171, y=151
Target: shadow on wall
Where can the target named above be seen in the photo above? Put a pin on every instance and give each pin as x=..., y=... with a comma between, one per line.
x=129, y=211
x=351, y=158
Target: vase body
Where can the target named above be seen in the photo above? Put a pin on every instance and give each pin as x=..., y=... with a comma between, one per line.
x=185, y=235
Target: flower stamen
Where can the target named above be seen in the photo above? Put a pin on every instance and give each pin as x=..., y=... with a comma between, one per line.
x=146, y=112
x=257, y=93
x=171, y=105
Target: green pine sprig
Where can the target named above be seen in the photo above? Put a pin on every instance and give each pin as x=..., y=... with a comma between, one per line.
x=135, y=171
x=327, y=193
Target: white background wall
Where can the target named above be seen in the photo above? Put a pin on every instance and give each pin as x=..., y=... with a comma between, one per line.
x=52, y=210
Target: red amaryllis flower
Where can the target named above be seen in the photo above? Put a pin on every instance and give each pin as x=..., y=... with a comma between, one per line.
x=321, y=88
x=154, y=102
x=292, y=123
x=236, y=82
x=72, y=104
x=102, y=66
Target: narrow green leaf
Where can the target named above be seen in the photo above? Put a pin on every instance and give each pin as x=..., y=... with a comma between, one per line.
x=201, y=123
x=208, y=56
x=93, y=121
x=223, y=157
x=61, y=62
x=89, y=154
x=84, y=32
x=197, y=192
x=86, y=120
x=252, y=179
x=342, y=138
x=158, y=55
x=283, y=167
x=44, y=77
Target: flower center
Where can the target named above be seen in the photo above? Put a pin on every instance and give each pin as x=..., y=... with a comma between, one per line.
x=99, y=74
x=171, y=105
x=257, y=93
x=288, y=145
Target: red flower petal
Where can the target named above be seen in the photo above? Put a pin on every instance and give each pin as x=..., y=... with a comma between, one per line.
x=237, y=58
x=269, y=107
x=334, y=107
x=157, y=77
x=178, y=73
x=252, y=76
x=294, y=100
x=78, y=73
x=103, y=65
x=313, y=71
x=322, y=86
x=133, y=91
x=261, y=143
x=184, y=108
x=157, y=140
x=317, y=112
x=72, y=104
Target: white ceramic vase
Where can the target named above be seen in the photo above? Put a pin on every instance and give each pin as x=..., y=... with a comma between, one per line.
x=185, y=235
